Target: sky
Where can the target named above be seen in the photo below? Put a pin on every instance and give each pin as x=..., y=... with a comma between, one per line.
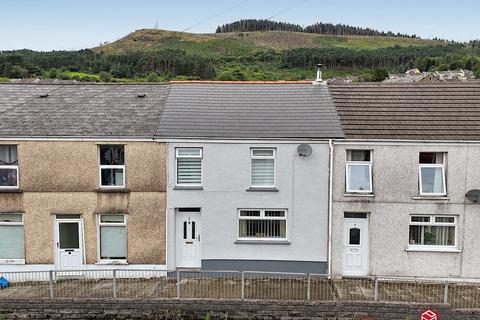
x=76, y=24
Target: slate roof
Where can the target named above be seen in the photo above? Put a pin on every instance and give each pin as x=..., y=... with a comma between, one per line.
x=214, y=110
x=81, y=109
x=444, y=111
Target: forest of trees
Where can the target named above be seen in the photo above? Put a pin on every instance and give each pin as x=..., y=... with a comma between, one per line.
x=249, y=25
x=260, y=64
x=53, y=64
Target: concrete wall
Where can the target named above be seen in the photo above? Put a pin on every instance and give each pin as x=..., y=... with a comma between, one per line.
x=302, y=189
x=395, y=186
x=62, y=177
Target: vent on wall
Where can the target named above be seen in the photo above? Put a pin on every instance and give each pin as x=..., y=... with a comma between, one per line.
x=43, y=95
x=141, y=95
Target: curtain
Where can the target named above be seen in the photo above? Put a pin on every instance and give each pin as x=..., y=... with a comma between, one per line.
x=359, y=177
x=432, y=180
x=263, y=172
x=113, y=242
x=11, y=242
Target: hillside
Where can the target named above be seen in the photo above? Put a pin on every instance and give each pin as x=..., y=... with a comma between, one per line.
x=246, y=42
x=159, y=55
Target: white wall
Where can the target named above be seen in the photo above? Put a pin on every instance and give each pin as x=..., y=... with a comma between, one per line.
x=303, y=191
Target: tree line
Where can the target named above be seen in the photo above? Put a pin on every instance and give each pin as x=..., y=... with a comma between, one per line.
x=168, y=62
x=262, y=64
x=250, y=25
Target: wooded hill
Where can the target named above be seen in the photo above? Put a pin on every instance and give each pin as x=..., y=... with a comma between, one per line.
x=249, y=25
x=159, y=55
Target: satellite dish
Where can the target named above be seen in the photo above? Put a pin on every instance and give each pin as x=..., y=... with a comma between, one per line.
x=473, y=195
x=304, y=150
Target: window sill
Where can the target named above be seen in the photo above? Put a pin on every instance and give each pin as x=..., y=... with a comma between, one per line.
x=364, y=195
x=112, y=190
x=10, y=190
x=256, y=189
x=426, y=197
x=282, y=242
x=12, y=261
x=112, y=262
x=430, y=249
x=188, y=188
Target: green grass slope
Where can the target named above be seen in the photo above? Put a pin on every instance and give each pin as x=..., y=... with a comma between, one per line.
x=225, y=44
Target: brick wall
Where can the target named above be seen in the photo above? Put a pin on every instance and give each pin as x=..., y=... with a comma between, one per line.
x=145, y=309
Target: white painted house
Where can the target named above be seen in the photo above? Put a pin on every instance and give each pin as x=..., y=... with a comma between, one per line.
x=241, y=194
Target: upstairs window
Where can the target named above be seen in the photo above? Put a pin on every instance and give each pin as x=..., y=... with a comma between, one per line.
x=359, y=171
x=262, y=224
x=8, y=167
x=112, y=166
x=189, y=166
x=263, y=167
x=11, y=237
x=432, y=173
x=436, y=231
x=113, y=237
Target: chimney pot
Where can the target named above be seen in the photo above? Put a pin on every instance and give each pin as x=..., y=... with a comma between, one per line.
x=319, y=79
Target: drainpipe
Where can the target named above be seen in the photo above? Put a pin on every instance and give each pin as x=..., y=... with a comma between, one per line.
x=330, y=206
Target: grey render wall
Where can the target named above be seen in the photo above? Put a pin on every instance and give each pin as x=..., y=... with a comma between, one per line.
x=395, y=184
x=302, y=185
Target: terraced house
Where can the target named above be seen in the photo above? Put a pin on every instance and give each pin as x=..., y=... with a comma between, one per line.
x=82, y=183
x=247, y=181
x=400, y=179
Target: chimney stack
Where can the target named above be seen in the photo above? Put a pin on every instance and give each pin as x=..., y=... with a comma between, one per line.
x=319, y=79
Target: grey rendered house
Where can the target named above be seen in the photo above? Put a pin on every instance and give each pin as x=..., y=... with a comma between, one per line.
x=241, y=194
x=400, y=177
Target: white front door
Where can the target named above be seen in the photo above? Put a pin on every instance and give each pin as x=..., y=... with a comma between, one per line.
x=355, y=247
x=69, y=255
x=188, y=239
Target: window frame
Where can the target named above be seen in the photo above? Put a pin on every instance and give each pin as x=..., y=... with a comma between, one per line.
x=108, y=166
x=10, y=167
x=21, y=223
x=272, y=157
x=262, y=217
x=429, y=247
x=101, y=224
x=432, y=165
x=349, y=163
x=200, y=156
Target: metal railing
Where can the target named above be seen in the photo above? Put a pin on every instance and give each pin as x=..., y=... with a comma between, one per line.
x=158, y=284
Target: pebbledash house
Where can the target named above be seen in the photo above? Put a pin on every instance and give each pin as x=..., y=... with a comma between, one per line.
x=406, y=180
x=82, y=182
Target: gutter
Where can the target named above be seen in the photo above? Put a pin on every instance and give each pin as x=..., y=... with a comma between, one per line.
x=330, y=207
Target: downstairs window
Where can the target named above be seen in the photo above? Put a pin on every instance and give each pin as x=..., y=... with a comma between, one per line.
x=432, y=231
x=267, y=224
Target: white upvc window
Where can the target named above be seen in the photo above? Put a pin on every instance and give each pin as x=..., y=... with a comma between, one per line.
x=263, y=167
x=8, y=167
x=262, y=224
x=112, y=238
x=432, y=232
x=12, y=247
x=359, y=171
x=188, y=167
x=431, y=173
x=112, y=166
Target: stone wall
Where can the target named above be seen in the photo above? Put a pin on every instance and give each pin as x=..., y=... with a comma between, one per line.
x=215, y=309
